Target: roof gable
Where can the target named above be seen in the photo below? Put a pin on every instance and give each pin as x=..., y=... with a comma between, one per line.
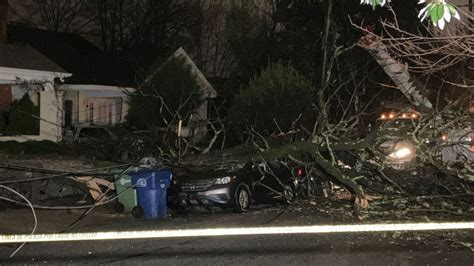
x=26, y=57
x=207, y=88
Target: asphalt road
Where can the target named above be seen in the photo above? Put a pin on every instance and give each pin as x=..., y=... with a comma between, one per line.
x=347, y=249
x=325, y=249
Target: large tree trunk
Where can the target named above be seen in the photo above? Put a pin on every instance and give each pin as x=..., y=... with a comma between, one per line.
x=396, y=70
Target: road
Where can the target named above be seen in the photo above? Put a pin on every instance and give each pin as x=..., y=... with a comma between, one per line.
x=323, y=249
x=348, y=249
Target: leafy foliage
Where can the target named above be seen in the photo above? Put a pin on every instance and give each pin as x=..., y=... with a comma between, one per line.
x=374, y=3
x=278, y=96
x=171, y=93
x=439, y=11
x=24, y=117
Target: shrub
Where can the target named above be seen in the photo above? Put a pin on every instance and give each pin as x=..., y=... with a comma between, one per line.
x=24, y=117
x=278, y=94
x=177, y=86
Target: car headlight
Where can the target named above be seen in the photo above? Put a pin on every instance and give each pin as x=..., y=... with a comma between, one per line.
x=401, y=153
x=223, y=180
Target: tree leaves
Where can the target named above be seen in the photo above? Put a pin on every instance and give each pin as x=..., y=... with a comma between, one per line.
x=374, y=3
x=439, y=11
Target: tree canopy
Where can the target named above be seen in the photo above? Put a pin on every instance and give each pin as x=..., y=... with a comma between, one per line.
x=273, y=101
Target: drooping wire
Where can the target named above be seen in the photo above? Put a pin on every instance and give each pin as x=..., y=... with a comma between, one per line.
x=34, y=216
x=87, y=212
x=40, y=207
x=83, y=172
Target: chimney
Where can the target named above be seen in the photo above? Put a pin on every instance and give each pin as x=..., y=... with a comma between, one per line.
x=3, y=20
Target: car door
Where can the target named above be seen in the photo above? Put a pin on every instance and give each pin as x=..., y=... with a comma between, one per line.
x=269, y=181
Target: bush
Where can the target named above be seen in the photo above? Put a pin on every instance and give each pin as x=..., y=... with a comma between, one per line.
x=278, y=94
x=24, y=117
x=175, y=83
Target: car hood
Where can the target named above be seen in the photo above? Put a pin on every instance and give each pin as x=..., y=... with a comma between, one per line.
x=186, y=174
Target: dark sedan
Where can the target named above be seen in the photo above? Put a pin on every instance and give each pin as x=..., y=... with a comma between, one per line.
x=234, y=188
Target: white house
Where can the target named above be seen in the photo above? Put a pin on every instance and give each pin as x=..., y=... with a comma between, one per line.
x=102, y=105
x=96, y=93
x=25, y=70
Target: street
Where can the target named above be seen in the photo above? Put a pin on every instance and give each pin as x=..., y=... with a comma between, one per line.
x=322, y=249
x=353, y=249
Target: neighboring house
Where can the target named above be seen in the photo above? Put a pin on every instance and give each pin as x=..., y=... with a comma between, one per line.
x=196, y=127
x=24, y=70
x=97, y=92
x=102, y=105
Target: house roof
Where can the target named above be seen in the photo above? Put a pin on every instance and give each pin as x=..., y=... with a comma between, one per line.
x=88, y=63
x=207, y=88
x=26, y=57
x=203, y=83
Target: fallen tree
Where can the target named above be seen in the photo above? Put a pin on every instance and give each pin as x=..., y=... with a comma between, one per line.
x=341, y=144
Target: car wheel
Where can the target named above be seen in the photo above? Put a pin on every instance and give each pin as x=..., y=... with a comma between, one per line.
x=119, y=207
x=289, y=194
x=242, y=199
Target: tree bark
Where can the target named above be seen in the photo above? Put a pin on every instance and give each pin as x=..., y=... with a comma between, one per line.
x=396, y=70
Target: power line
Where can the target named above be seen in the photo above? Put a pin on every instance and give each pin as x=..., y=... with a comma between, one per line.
x=32, y=210
x=81, y=173
x=40, y=207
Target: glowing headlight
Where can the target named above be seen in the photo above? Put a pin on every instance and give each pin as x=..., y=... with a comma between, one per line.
x=444, y=137
x=401, y=153
x=223, y=180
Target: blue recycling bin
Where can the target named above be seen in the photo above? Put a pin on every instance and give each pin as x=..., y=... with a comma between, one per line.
x=151, y=186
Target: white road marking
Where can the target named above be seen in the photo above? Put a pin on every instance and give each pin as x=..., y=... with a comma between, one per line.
x=154, y=234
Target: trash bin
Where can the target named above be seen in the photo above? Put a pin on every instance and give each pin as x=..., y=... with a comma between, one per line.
x=151, y=186
x=126, y=195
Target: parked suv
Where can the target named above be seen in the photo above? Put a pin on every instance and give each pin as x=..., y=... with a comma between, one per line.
x=236, y=188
